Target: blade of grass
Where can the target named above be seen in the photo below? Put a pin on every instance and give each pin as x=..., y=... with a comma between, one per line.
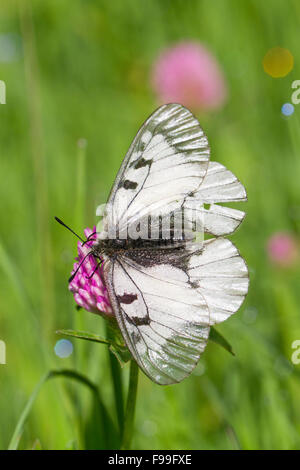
x=84, y=335
x=14, y=442
x=108, y=426
x=120, y=352
x=80, y=202
x=217, y=338
x=10, y=269
x=80, y=193
x=38, y=163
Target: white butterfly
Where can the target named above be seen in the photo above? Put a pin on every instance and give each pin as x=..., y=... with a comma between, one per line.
x=166, y=296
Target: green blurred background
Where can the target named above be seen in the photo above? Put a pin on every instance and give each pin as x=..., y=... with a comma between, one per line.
x=81, y=71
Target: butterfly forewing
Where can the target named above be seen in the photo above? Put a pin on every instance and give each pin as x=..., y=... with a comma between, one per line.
x=166, y=162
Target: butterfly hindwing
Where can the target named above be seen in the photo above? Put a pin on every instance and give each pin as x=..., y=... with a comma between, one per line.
x=164, y=310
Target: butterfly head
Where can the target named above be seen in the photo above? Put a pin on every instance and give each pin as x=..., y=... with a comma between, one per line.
x=95, y=249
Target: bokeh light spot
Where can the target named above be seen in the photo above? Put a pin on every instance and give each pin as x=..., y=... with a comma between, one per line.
x=278, y=62
x=287, y=109
x=63, y=348
x=189, y=74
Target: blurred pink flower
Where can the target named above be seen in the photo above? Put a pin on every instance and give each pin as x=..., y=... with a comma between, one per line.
x=89, y=293
x=188, y=73
x=283, y=249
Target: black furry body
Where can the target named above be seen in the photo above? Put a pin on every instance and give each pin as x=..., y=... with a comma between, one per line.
x=146, y=252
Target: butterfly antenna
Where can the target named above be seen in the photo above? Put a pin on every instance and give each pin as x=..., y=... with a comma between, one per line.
x=64, y=225
x=98, y=265
x=79, y=266
x=90, y=239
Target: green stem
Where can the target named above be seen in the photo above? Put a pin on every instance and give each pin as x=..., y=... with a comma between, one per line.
x=130, y=406
x=117, y=382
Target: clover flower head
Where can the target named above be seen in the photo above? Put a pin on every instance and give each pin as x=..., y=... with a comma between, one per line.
x=189, y=74
x=87, y=286
x=283, y=249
